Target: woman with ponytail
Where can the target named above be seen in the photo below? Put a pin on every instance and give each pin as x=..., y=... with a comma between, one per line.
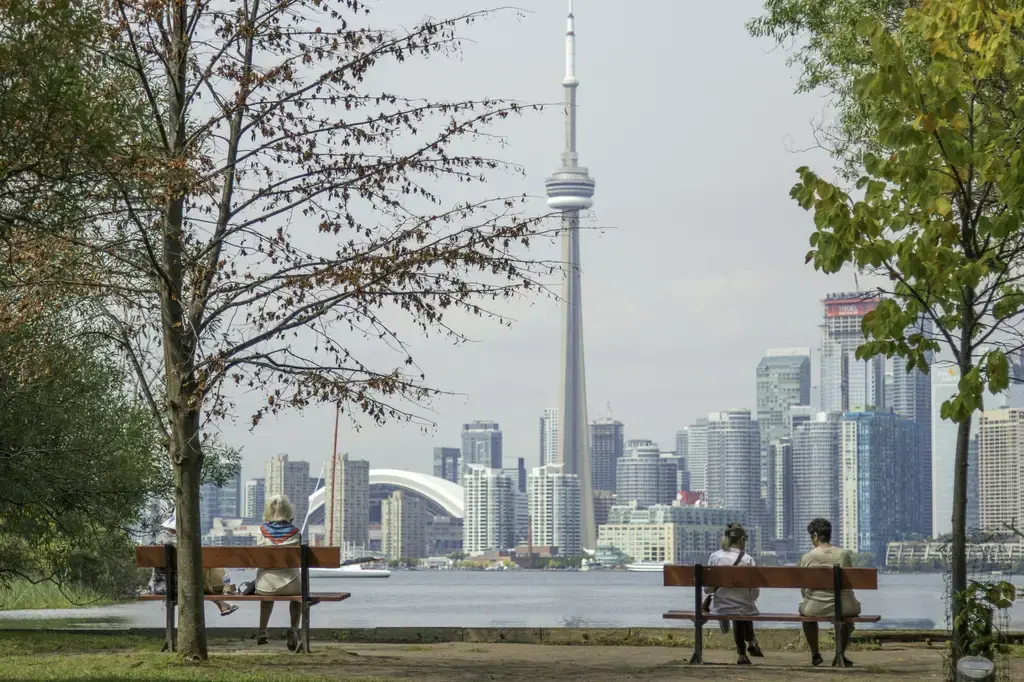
x=735, y=601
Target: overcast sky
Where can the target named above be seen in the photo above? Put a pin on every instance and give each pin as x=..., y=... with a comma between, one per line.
x=690, y=128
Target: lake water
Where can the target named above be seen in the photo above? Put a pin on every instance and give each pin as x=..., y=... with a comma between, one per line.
x=535, y=599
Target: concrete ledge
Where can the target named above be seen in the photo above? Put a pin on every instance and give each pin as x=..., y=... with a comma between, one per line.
x=663, y=637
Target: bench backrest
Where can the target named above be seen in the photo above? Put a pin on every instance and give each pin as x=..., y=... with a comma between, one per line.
x=771, y=576
x=247, y=557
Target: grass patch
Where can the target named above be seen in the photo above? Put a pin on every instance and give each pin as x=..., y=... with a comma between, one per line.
x=58, y=656
x=21, y=594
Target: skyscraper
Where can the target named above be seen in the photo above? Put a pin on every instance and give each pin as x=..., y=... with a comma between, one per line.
x=554, y=499
x=446, y=463
x=517, y=474
x=848, y=383
x=816, y=472
x=570, y=190
x=403, y=526
x=490, y=518
x=697, y=455
x=549, y=436
x=347, y=503
x=734, y=464
x=481, y=445
x=292, y=480
x=220, y=501
x=640, y=475
x=1001, y=469
x=783, y=379
x=944, y=385
x=607, y=445
x=780, y=454
x=255, y=498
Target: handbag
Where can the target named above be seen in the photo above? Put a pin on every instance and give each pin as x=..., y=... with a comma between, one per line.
x=706, y=606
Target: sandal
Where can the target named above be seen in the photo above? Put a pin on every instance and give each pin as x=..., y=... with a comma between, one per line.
x=228, y=611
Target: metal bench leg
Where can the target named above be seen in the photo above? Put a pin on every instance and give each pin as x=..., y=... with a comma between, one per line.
x=698, y=616
x=305, y=625
x=837, y=586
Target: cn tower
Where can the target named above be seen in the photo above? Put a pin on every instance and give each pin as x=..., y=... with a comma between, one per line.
x=570, y=190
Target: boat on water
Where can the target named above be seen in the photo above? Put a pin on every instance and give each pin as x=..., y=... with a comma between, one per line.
x=647, y=567
x=351, y=571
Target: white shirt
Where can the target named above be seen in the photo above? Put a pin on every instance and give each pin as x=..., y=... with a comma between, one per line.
x=732, y=601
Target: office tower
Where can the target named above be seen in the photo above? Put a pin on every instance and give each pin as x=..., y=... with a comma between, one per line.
x=549, y=436
x=639, y=475
x=607, y=445
x=734, y=464
x=347, y=503
x=521, y=505
x=697, y=455
x=780, y=454
x=670, y=465
x=446, y=463
x=489, y=522
x=219, y=501
x=481, y=445
x=603, y=502
x=683, y=443
x=570, y=190
x=1001, y=470
x=783, y=379
x=255, y=498
x=554, y=499
x=403, y=526
x=841, y=373
x=290, y=479
x=518, y=475
x=876, y=481
x=944, y=385
x=816, y=474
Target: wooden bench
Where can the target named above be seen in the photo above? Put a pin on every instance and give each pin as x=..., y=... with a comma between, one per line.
x=302, y=557
x=835, y=579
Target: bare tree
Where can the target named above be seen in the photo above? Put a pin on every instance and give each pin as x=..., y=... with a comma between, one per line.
x=281, y=208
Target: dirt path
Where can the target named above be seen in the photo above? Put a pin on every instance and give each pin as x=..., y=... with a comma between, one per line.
x=476, y=662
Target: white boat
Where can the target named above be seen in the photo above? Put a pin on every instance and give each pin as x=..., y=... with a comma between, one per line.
x=647, y=567
x=353, y=571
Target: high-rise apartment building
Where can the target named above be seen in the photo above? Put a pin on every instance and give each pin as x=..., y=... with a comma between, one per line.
x=549, y=428
x=734, y=464
x=640, y=475
x=518, y=475
x=973, y=490
x=403, y=526
x=607, y=445
x=603, y=502
x=347, y=503
x=944, y=385
x=219, y=501
x=255, y=498
x=847, y=383
x=1001, y=469
x=291, y=479
x=816, y=473
x=672, y=472
x=490, y=520
x=780, y=455
x=697, y=455
x=683, y=443
x=446, y=463
x=481, y=445
x=783, y=379
x=554, y=504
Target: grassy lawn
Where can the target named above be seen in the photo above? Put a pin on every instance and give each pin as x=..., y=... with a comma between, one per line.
x=54, y=656
x=22, y=594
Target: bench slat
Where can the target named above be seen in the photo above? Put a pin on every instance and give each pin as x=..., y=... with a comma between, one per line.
x=247, y=557
x=771, y=617
x=327, y=596
x=792, y=577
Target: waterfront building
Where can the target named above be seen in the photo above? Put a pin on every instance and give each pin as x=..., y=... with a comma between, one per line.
x=570, y=190
x=676, y=534
x=697, y=455
x=549, y=426
x=291, y=479
x=446, y=463
x=734, y=464
x=444, y=535
x=233, y=532
x=1001, y=469
x=489, y=521
x=403, y=527
x=219, y=501
x=554, y=499
x=607, y=446
x=481, y=445
x=255, y=498
x=347, y=503
x=816, y=473
x=640, y=475
x=847, y=383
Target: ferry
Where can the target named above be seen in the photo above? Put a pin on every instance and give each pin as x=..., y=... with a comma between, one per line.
x=350, y=571
x=647, y=567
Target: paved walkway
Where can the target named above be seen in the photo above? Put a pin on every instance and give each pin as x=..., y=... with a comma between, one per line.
x=475, y=662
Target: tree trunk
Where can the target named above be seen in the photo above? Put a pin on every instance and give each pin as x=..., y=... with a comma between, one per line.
x=958, y=562
x=187, y=478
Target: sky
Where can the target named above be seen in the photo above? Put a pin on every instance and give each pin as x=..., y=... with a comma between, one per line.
x=693, y=134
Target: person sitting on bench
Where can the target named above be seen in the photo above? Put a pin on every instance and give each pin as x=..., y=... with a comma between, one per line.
x=821, y=603
x=735, y=601
x=213, y=578
x=278, y=530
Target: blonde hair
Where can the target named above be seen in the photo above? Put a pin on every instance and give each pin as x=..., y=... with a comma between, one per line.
x=278, y=508
x=735, y=534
